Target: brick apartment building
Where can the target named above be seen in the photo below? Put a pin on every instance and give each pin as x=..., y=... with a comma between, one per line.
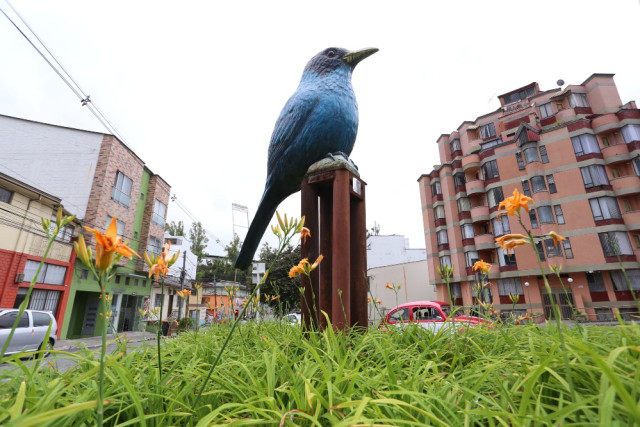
x=576, y=152
x=95, y=177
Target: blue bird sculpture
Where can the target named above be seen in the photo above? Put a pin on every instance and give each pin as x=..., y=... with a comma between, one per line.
x=320, y=119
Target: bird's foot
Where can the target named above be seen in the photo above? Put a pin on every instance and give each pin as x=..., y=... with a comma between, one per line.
x=345, y=158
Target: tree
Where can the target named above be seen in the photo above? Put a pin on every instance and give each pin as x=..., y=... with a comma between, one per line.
x=198, y=239
x=278, y=282
x=223, y=268
x=175, y=229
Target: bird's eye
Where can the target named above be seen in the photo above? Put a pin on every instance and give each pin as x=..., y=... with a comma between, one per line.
x=331, y=54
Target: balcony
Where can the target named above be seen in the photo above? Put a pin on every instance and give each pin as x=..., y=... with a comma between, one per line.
x=474, y=187
x=632, y=217
x=614, y=150
x=480, y=213
x=623, y=185
x=484, y=241
x=471, y=161
x=604, y=120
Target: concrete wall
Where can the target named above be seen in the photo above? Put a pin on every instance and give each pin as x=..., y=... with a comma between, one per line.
x=412, y=277
x=66, y=172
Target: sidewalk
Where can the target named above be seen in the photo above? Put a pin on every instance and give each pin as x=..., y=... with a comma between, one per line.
x=95, y=342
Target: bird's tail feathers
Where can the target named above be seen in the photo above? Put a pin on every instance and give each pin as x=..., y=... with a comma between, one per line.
x=256, y=230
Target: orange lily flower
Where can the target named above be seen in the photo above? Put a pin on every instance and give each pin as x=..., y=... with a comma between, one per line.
x=368, y=299
x=513, y=204
x=389, y=286
x=482, y=266
x=556, y=237
x=108, y=244
x=304, y=267
x=500, y=240
x=510, y=245
x=304, y=233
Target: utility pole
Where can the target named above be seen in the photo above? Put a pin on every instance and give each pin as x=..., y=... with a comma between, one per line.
x=182, y=274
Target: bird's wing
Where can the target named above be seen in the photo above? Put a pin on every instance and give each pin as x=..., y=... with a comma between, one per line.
x=290, y=124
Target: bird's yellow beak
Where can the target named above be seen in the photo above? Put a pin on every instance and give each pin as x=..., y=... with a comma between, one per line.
x=354, y=57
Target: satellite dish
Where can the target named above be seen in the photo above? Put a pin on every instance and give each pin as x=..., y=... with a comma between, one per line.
x=560, y=82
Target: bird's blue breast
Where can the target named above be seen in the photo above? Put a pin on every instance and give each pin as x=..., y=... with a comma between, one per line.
x=321, y=117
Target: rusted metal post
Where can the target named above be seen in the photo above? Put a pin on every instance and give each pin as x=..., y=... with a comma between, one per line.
x=333, y=205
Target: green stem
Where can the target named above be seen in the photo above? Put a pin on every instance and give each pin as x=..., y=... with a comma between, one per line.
x=159, y=336
x=285, y=241
x=103, y=351
x=556, y=309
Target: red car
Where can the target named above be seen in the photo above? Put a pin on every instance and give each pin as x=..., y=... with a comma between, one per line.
x=428, y=314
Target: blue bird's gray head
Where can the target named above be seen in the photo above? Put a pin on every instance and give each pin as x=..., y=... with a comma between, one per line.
x=333, y=58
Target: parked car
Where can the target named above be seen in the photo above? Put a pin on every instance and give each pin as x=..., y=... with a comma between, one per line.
x=432, y=315
x=294, y=318
x=30, y=332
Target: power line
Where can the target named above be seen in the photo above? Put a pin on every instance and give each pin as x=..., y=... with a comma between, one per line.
x=85, y=99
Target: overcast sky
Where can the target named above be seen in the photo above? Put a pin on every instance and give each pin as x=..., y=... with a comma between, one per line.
x=195, y=88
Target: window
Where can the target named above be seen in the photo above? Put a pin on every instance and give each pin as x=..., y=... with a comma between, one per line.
x=488, y=131
x=445, y=260
x=552, y=184
x=443, y=238
x=40, y=319
x=620, y=282
x=65, y=234
x=538, y=184
x=158, y=300
x=520, y=95
x=578, y=100
x=122, y=189
x=594, y=175
x=471, y=258
x=510, y=286
x=6, y=321
x=467, y=231
x=501, y=226
x=439, y=212
x=505, y=259
x=545, y=215
x=631, y=133
x=614, y=243
x=585, y=144
x=51, y=274
x=531, y=154
x=552, y=248
x=455, y=146
x=626, y=205
x=119, y=225
x=604, y=208
x=543, y=154
x=456, y=292
x=135, y=282
x=42, y=299
x=155, y=245
x=159, y=212
x=490, y=144
x=532, y=217
x=5, y=195
x=490, y=170
x=540, y=250
x=568, y=252
x=399, y=315
x=526, y=189
x=559, y=215
x=459, y=180
x=595, y=282
x=127, y=280
x=118, y=278
x=495, y=196
x=520, y=161
x=464, y=205
x=435, y=189
x=545, y=110
x=84, y=274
